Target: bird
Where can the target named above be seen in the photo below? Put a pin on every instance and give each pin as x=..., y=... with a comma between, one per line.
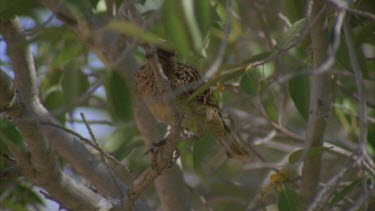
x=201, y=112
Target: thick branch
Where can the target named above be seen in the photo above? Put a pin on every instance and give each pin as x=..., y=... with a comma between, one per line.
x=172, y=191
x=68, y=147
x=320, y=100
x=44, y=169
x=109, y=47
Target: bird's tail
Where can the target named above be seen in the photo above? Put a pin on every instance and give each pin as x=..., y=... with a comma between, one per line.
x=234, y=147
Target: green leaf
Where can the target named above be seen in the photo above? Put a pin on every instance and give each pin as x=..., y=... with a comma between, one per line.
x=249, y=82
x=362, y=35
x=291, y=34
x=299, y=88
x=29, y=195
x=192, y=24
x=203, y=15
x=294, y=9
x=175, y=27
x=10, y=134
x=133, y=30
x=6, y=86
x=258, y=57
x=118, y=96
x=371, y=135
x=202, y=148
x=68, y=53
x=360, y=38
x=288, y=200
x=222, y=78
x=269, y=102
x=313, y=151
x=55, y=99
x=345, y=191
x=81, y=8
x=122, y=141
x=74, y=84
x=9, y=9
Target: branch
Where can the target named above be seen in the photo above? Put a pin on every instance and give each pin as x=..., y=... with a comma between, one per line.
x=362, y=105
x=163, y=157
x=359, y=83
x=44, y=169
x=344, y=6
x=109, y=46
x=86, y=164
x=172, y=191
x=315, y=205
x=320, y=100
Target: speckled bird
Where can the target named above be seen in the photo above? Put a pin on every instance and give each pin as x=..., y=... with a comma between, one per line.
x=202, y=112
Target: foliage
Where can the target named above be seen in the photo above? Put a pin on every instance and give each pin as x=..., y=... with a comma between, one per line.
x=265, y=86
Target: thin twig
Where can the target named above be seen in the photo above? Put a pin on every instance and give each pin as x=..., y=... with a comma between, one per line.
x=344, y=6
x=330, y=184
x=359, y=83
x=362, y=101
x=102, y=155
x=81, y=100
x=30, y=32
x=88, y=142
x=97, y=122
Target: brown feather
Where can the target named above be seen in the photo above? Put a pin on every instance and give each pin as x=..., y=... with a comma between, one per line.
x=202, y=112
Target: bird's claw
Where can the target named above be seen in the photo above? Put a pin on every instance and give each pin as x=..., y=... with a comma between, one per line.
x=155, y=151
x=155, y=146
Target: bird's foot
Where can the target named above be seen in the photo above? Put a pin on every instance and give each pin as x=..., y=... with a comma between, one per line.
x=156, y=150
x=155, y=146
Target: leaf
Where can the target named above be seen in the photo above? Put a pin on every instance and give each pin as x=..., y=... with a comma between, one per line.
x=258, y=57
x=222, y=78
x=362, y=35
x=313, y=151
x=9, y=132
x=6, y=86
x=249, y=82
x=74, y=84
x=371, y=135
x=29, y=195
x=68, y=53
x=291, y=34
x=360, y=38
x=133, y=30
x=175, y=27
x=293, y=9
x=116, y=145
x=235, y=73
x=203, y=15
x=202, y=148
x=54, y=99
x=345, y=191
x=192, y=24
x=299, y=88
x=269, y=102
x=79, y=8
x=118, y=96
x=9, y=9
x=279, y=177
x=288, y=200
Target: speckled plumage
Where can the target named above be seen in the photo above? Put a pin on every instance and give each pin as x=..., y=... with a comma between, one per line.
x=202, y=112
